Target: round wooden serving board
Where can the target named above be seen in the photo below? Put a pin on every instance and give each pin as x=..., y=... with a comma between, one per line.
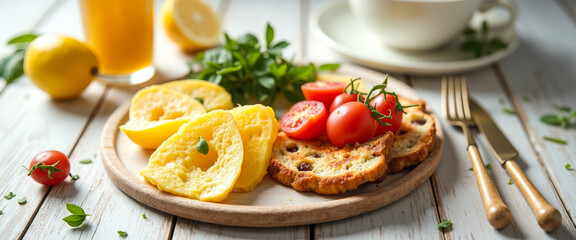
x=270, y=204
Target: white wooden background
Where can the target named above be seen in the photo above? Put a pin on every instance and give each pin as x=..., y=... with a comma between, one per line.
x=542, y=68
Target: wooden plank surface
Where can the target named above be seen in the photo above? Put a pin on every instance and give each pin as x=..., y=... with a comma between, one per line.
x=542, y=69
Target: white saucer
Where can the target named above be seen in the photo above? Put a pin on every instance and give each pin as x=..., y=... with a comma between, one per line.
x=334, y=25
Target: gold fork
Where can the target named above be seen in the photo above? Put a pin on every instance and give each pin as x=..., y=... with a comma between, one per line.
x=456, y=109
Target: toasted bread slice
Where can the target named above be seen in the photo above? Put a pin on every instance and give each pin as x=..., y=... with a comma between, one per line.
x=317, y=165
x=415, y=139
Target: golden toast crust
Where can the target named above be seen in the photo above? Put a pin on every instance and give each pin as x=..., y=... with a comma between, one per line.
x=318, y=166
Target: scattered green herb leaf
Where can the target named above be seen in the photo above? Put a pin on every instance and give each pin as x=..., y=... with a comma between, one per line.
x=471, y=169
x=488, y=166
x=246, y=69
x=508, y=110
x=78, y=215
x=526, y=98
x=73, y=177
x=510, y=181
x=444, y=224
x=9, y=196
x=562, y=108
x=144, y=216
x=556, y=140
x=11, y=66
x=568, y=167
x=22, y=201
x=46, y=168
x=1, y=212
x=85, y=161
x=479, y=44
x=560, y=119
x=122, y=234
x=202, y=146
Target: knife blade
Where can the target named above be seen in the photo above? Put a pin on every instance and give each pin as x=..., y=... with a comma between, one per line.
x=548, y=217
x=499, y=144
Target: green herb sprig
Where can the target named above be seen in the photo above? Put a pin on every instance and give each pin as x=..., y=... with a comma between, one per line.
x=46, y=168
x=248, y=69
x=78, y=215
x=479, y=44
x=375, y=91
x=12, y=66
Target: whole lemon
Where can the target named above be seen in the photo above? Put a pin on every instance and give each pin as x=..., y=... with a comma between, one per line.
x=60, y=65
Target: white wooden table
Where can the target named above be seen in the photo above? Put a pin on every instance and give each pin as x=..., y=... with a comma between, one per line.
x=543, y=69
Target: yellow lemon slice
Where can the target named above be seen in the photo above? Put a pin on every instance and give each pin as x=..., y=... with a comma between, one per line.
x=156, y=113
x=59, y=65
x=341, y=78
x=192, y=24
x=259, y=129
x=177, y=166
x=213, y=96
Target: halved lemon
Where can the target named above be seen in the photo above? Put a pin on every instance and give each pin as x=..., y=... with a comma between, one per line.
x=178, y=167
x=156, y=113
x=192, y=24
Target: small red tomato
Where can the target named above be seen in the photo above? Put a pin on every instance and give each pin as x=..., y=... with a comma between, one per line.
x=305, y=120
x=386, y=106
x=350, y=123
x=344, y=98
x=53, y=162
x=323, y=91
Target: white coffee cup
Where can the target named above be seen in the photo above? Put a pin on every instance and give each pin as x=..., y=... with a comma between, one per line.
x=423, y=24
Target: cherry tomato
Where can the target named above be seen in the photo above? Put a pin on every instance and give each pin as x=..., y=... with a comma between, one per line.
x=343, y=98
x=349, y=124
x=323, y=91
x=305, y=120
x=42, y=163
x=386, y=106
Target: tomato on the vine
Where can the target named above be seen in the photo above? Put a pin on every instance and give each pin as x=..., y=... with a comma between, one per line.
x=305, y=120
x=343, y=98
x=323, y=91
x=350, y=123
x=386, y=105
x=49, y=167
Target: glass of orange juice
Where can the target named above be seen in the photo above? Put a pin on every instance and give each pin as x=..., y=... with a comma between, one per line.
x=121, y=34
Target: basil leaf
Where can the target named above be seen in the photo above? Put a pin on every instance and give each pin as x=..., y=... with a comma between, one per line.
x=74, y=220
x=25, y=38
x=12, y=66
x=22, y=201
x=269, y=35
x=74, y=209
x=329, y=67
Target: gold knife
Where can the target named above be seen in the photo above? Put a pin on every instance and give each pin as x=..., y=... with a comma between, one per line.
x=548, y=217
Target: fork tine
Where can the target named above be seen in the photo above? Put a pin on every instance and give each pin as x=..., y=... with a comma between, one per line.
x=465, y=99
